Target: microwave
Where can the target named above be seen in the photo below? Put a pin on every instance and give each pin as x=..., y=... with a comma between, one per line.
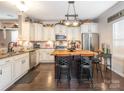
x=60, y=37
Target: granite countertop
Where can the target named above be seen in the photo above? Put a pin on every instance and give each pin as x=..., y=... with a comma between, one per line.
x=19, y=53
x=14, y=54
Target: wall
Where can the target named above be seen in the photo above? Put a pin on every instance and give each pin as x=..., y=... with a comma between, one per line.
x=106, y=35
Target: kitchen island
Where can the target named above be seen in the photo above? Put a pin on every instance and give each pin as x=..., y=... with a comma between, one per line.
x=75, y=61
x=75, y=52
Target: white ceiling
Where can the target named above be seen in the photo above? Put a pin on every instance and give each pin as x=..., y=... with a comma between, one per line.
x=56, y=10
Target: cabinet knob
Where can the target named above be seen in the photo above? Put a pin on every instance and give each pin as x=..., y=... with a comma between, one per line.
x=23, y=61
x=0, y=72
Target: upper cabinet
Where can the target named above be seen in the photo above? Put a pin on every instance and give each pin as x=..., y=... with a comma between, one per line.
x=25, y=31
x=48, y=33
x=76, y=33
x=60, y=29
x=89, y=28
x=73, y=33
x=38, y=30
x=32, y=31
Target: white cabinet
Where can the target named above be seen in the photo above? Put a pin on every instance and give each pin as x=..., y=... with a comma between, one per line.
x=32, y=31
x=25, y=31
x=38, y=28
x=24, y=64
x=48, y=33
x=5, y=75
x=45, y=56
x=89, y=28
x=60, y=29
x=12, y=69
x=40, y=32
x=38, y=57
x=17, y=68
x=21, y=65
x=73, y=33
x=76, y=33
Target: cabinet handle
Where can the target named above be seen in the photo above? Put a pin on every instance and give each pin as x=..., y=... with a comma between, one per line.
x=23, y=61
x=0, y=72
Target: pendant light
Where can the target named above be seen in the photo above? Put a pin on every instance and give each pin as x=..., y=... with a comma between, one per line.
x=74, y=21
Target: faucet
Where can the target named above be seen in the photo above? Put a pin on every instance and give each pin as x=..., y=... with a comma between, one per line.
x=10, y=47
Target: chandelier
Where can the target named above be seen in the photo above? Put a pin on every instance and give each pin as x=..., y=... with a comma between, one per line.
x=71, y=19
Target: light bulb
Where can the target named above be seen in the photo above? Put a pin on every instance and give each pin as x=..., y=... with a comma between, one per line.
x=67, y=23
x=75, y=23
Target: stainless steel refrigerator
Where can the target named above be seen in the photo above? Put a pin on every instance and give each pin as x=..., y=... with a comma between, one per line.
x=90, y=41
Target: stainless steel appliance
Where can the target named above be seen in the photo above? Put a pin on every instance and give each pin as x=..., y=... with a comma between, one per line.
x=60, y=37
x=32, y=58
x=36, y=45
x=90, y=41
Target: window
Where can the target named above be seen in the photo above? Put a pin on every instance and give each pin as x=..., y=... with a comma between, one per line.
x=118, y=37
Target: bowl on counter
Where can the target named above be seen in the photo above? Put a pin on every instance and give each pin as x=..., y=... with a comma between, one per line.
x=71, y=49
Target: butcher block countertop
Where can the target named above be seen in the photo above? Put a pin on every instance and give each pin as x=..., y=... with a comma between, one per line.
x=75, y=52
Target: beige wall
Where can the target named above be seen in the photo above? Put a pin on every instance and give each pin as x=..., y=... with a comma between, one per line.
x=106, y=36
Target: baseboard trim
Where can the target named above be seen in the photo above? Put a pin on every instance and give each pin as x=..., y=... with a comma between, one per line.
x=121, y=74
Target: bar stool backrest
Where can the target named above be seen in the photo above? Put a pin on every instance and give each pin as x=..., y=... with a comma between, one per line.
x=85, y=61
x=64, y=60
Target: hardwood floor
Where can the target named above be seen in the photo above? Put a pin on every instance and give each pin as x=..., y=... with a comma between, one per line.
x=42, y=79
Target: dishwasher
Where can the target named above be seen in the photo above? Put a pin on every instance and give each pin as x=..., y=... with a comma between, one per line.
x=32, y=58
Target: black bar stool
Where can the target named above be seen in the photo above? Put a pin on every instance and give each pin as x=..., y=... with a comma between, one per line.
x=85, y=66
x=64, y=68
x=97, y=59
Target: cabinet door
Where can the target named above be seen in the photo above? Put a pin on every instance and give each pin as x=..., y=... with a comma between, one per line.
x=38, y=57
x=48, y=55
x=42, y=55
x=63, y=30
x=45, y=55
x=24, y=64
x=76, y=34
x=17, y=68
x=45, y=32
x=85, y=28
x=36, y=32
x=32, y=32
x=25, y=31
x=5, y=75
x=60, y=29
x=93, y=28
x=39, y=32
x=89, y=28
x=57, y=29
x=51, y=34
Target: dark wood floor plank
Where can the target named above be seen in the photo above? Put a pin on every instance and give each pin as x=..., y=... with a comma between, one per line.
x=42, y=79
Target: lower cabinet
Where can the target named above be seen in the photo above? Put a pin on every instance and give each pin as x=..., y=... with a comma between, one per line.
x=37, y=57
x=16, y=68
x=45, y=56
x=5, y=75
x=12, y=70
x=25, y=64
